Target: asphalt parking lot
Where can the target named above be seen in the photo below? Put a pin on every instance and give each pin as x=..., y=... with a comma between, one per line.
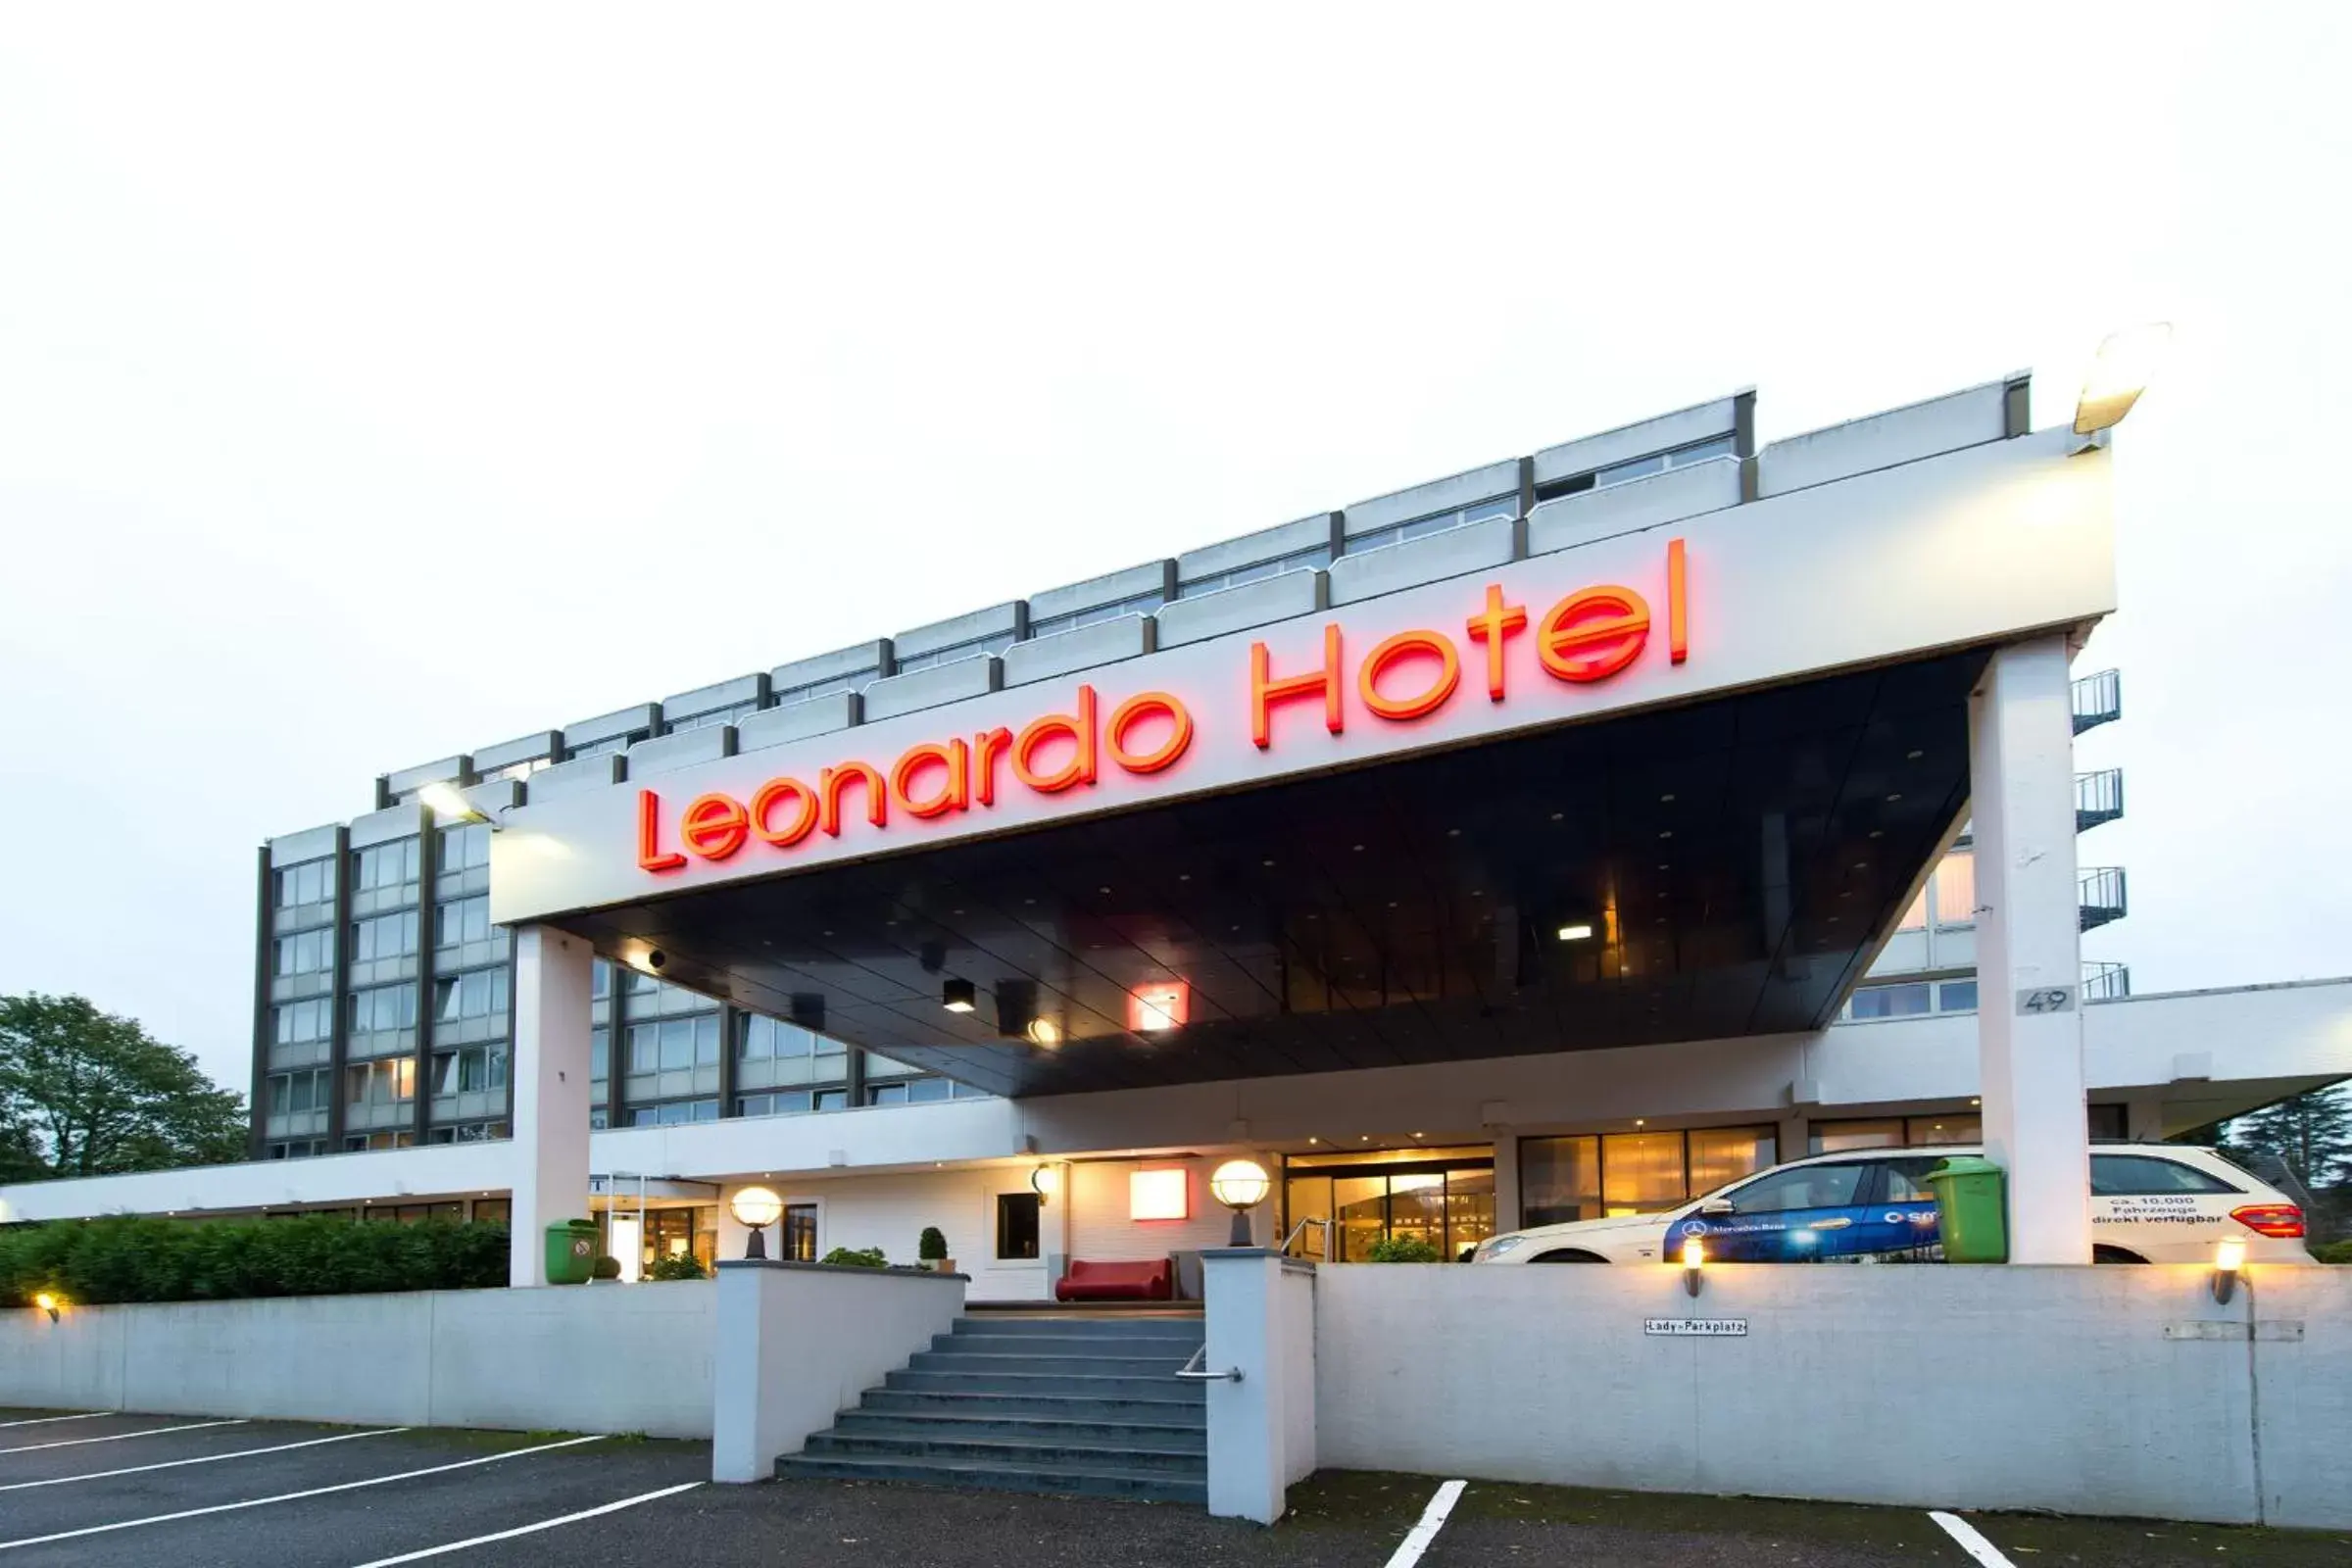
x=111, y=1491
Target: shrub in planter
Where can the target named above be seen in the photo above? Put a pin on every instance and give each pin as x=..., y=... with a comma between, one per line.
x=138, y=1258
x=932, y=1250
x=606, y=1267
x=859, y=1258
x=1401, y=1250
x=676, y=1266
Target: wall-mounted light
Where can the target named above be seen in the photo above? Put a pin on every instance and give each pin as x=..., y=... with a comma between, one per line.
x=1695, y=1265
x=1043, y=1032
x=755, y=1208
x=443, y=800
x=47, y=1303
x=1240, y=1185
x=2118, y=373
x=959, y=996
x=2229, y=1257
x=1579, y=931
x=1045, y=1181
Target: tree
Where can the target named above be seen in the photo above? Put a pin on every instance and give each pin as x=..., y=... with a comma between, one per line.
x=83, y=1093
x=2312, y=1132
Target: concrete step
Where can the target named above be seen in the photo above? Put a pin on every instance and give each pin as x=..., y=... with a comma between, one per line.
x=1180, y=1346
x=1083, y=1480
x=1169, y=1436
x=1177, y=1404
x=1067, y=1386
x=1025, y=1454
x=1107, y=1328
x=1108, y=1366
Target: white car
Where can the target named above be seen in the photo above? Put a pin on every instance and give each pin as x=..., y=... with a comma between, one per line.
x=2149, y=1203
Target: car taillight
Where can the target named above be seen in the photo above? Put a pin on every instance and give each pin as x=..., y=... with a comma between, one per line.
x=2269, y=1219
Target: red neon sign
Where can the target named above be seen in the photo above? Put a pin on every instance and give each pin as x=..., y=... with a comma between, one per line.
x=1587, y=636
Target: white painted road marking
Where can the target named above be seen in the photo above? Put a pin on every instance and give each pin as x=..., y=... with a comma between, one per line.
x=532, y=1530
x=1976, y=1545
x=290, y=1496
x=202, y=1459
x=118, y=1437
x=44, y=1420
x=1433, y=1518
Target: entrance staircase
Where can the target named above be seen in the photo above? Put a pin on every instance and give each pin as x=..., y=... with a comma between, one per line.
x=1045, y=1403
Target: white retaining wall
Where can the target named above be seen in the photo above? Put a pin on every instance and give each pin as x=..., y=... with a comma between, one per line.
x=584, y=1359
x=2099, y=1391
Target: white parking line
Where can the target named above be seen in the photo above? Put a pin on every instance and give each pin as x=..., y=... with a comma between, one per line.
x=1976, y=1545
x=118, y=1437
x=1433, y=1518
x=202, y=1459
x=44, y=1420
x=290, y=1496
x=532, y=1530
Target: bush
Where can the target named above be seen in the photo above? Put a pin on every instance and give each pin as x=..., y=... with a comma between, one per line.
x=606, y=1267
x=676, y=1266
x=864, y=1257
x=2333, y=1253
x=140, y=1258
x=1401, y=1250
x=932, y=1247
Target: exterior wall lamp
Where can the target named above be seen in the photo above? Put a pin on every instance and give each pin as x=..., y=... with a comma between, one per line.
x=2118, y=373
x=755, y=1208
x=1240, y=1185
x=47, y=1303
x=1695, y=1265
x=1045, y=1181
x=2229, y=1259
x=444, y=800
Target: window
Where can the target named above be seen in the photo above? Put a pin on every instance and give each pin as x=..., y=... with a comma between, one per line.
x=761, y=1039
x=956, y=652
x=463, y=849
x=1017, y=1228
x=463, y=920
x=1905, y=1001
x=2137, y=1175
x=1300, y=561
x=1642, y=1171
x=674, y=1044
x=1956, y=889
x=2109, y=1121
x=1914, y=918
x=387, y=936
x=1837, y=1137
x=711, y=720
x=673, y=1114
x=380, y=1083
x=305, y=952
x=600, y=980
x=387, y=865
x=1804, y=1187
x=1927, y=1131
x=800, y=1233
x=476, y=995
x=289, y=1094
x=1956, y=996
x=1721, y=1156
x=834, y=687
x=476, y=1070
x=297, y=1022
x=1438, y=522
x=1140, y=604
x=1589, y=1177
x=1640, y=467
x=312, y=882
x=600, y=1055
x=383, y=1008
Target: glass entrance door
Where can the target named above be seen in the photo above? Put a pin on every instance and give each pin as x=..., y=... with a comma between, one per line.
x=1442, y=1197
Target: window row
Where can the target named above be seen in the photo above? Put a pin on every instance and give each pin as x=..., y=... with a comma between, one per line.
x=471, y=1071
x=387, y=865
x=1300, y=561
x=1911, y=999
x=1140, y=605
x=289, y=1094
x=673, y=1043
x=761, y=1039
x=297, y=1022
x=464, y=849
x=471, y=1132
x=834, y=687
x=477, y=994
x=305, y=953
x=310, y=882
x=1439, y=523
x=1638, y=468
x=1597, y=1175
x=462, y=920
x=792, y=1103
x=673, y=1114
x=956, y=653
x=386, y=936
x=711, y=720
x=381, y=1007
x=914, y=1092
x=1895, y=1131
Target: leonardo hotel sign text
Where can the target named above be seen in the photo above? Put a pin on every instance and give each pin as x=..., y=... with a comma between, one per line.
x=1585, y=637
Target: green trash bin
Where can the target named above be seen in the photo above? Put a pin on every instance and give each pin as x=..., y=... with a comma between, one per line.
x=571, y=1251
x=1972, y=1211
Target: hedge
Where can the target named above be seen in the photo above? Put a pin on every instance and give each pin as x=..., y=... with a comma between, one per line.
x=130, y=1258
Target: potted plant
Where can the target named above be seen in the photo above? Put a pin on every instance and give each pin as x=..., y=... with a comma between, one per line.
x=605, y=1270
x=932, y=1249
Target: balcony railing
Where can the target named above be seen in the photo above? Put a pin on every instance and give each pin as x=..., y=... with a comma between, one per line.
x=2099, y=894
x=2098, y=700
x=2106, y=982
x=2098, y=798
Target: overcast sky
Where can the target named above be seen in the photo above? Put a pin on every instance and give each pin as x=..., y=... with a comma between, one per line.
x=378, y=384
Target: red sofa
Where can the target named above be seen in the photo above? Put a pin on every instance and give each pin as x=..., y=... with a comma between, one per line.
x=1155, y=1281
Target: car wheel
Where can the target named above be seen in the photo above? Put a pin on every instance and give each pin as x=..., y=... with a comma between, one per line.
x=2114, y=1254
x=1569, y=1258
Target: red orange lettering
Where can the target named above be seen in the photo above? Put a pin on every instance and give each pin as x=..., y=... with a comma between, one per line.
x=1406, y=645
x=1123, y=720
x=649, y=836
x=1494, y=627
x=1079, y=729
x=764, y=808
x=1592, y=634
x=831, y=781
x=954, y=760
x=715, y=827
x=1265, y=691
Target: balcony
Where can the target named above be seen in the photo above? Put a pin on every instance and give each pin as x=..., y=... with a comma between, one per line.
x=2106, y=982
x=2099, y=894
x=2098, y=798
x=2098, y=700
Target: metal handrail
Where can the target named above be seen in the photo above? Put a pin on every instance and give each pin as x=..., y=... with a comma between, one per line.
x=1190, y=1371
x=1292, y=1240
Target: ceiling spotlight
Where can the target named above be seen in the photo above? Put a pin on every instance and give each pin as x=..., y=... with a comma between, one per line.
x=1579, y=932
x=959, y=996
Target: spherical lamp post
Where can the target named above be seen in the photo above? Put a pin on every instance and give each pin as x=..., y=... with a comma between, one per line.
x=1240, y=1185
x=755, y=1208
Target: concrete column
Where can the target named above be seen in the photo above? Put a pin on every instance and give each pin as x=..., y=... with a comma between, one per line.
x=1795, y=1134
x=2028, y=949
x=1245, y=1439
x=1506, y=1178
x=549, y=1088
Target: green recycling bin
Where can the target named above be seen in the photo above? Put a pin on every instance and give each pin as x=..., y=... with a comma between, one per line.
x=571, y=1251
x=1972, y=1211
